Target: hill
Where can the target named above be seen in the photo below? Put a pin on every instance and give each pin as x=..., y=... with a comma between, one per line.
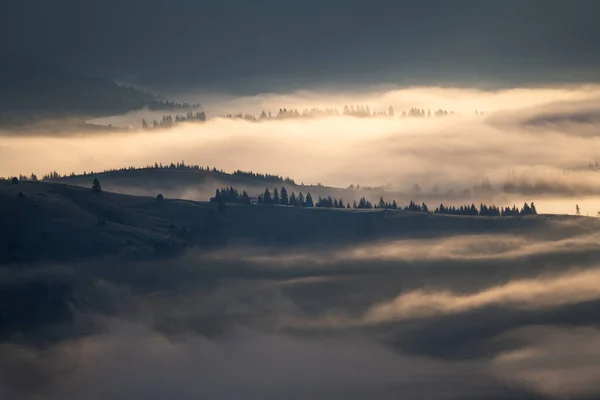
x=31, y=91
x=51, y=221
x=200, y=184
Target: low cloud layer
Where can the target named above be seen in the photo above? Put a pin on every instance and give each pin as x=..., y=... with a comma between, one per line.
x=479, y=316
x=535, y=139
x=535, y=293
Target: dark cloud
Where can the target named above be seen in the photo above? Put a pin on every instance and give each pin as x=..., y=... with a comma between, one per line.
x=248, y=47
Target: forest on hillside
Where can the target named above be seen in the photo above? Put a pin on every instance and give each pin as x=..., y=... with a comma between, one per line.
x=281, y=197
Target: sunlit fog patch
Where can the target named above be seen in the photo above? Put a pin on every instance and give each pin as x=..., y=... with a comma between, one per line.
x=543, y=292
x=454, y=152
x=468, y=247
x=537, y=293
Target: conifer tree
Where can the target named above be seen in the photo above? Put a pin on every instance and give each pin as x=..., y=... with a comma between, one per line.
x=284, y=200
x=96, y=187
x=533, y=209
x=309, y=201
x=267, y=197
x=301, y=201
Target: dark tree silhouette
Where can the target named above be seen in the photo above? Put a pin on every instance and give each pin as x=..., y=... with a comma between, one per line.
x=245, y=198
x=284, y=200
x=309, y=201
x=96, y=185
x=301, y=201
x=267, y=197
x=159, y=197
x=14, y=180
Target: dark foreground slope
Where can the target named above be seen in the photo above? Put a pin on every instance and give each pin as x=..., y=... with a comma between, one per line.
x=436, y=306
x=48, y=221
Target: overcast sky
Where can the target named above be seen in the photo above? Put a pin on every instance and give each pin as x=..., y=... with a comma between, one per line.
x=253, y=46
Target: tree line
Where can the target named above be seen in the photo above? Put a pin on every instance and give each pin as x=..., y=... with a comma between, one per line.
x=362, y=111
x=168, y=121
x=282, y=197
x=54, y=175
x=348, y=111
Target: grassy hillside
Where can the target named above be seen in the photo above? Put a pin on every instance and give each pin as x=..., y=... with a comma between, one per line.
x=62, y=222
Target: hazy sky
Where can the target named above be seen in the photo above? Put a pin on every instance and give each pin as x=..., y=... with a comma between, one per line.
x=248, y=47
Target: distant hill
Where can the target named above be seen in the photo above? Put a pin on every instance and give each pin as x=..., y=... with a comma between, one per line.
x=194, y=184
x=31, y=91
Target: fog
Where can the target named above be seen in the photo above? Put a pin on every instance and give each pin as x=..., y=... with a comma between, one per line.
x=540, y=140
x=503, y=316
x=534, y=132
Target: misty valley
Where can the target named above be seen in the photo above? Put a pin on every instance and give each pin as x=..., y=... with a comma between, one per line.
x=299, y=200
x=448, y=302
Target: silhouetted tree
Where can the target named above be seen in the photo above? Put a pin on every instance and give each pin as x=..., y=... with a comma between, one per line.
x=245, y=199
x=14, y=180
x=577, y=209
x=96, y=185
x=284, y=196
x=301, y=200
x=309, y=201
x=329, y=202
x=159, y=197
x=276, y=198
x=267, y=197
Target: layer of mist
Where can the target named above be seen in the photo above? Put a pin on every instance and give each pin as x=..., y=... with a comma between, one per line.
x=467, y=319
x=530, y=144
